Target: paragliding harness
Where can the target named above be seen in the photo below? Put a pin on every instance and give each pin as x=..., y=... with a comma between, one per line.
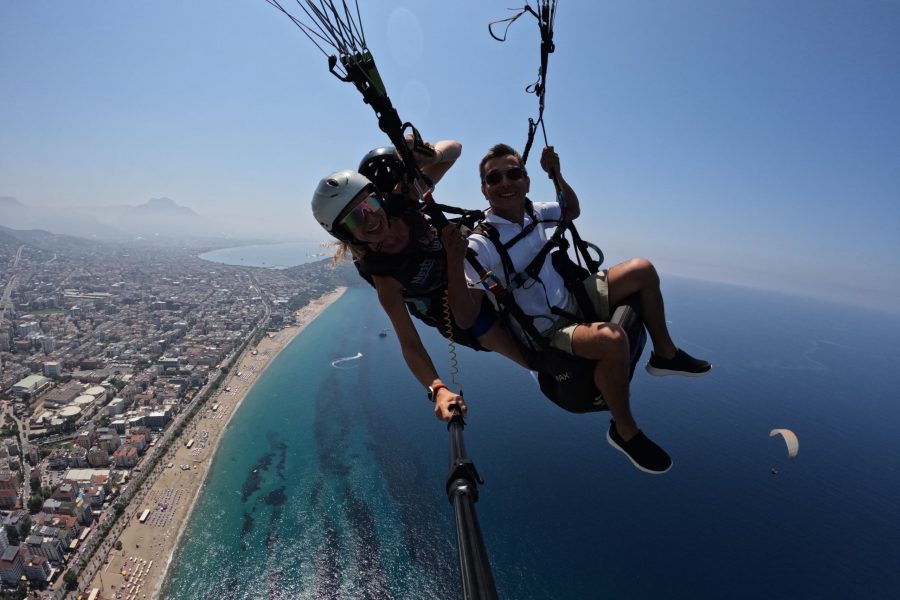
x=565, y=379
x=355, y=64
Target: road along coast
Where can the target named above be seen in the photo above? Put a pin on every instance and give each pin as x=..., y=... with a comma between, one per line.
x=137, y=571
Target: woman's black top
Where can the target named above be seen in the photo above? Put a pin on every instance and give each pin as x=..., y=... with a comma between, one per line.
x=421, y=268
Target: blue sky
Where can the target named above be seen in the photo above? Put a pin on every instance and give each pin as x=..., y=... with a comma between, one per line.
x=754, y=142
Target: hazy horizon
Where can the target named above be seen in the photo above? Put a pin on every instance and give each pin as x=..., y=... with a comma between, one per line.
x=753, y=144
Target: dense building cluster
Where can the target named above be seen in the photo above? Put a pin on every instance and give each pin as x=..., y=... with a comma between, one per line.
x=101, y=346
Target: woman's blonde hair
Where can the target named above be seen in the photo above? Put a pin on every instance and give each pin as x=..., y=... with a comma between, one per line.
x=348, y=250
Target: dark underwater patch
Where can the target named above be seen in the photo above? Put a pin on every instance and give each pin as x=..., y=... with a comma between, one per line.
x=426, y=542
x=316, y=493
x=274, y=583
x=226, y=587
x=276, y=497
x=248, y=524
x=281, y=449
x=254, y=475
x=271, y=540
x=373, y=581
x=328, y=565
x=331, y=429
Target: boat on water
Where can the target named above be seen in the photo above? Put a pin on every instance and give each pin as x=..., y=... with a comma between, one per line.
x=337, y=362
x=383, y=333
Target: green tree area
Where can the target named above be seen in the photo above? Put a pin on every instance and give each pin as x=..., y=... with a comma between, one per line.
x=18, y=594
x=37, y=499
x=71, y=579
x=118, y=384
x=308, y=295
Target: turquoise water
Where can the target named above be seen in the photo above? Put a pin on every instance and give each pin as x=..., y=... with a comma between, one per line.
x=329, y=482
x=273, y=256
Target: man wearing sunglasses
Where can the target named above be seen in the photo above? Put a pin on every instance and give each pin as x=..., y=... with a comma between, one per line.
x=520, y=226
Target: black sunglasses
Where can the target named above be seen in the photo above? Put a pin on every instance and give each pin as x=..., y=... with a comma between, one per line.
x=512, y=174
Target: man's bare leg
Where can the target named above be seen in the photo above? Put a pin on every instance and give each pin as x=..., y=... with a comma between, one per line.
x=607, y=343
x=638, y=275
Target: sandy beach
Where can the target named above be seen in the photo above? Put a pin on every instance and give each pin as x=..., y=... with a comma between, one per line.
x=137, y=571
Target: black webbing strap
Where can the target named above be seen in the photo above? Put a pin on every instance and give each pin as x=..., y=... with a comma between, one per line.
x=507, y=303
x=509, y=270
x=467, y=217
x=592, y=264
x=572, y=274
x=362, y=73
x=533, y=269
x=544, y=16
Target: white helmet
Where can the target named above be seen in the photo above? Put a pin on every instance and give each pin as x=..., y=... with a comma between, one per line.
x=333, y=194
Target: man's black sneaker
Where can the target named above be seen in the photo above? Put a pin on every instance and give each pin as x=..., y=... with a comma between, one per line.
x=640, y=450
x=680, y=364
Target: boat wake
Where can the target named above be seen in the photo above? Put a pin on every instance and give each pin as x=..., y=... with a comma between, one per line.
x=339, y=363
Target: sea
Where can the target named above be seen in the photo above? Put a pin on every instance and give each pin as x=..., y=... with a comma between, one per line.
x=330, y=480
x=271, y=256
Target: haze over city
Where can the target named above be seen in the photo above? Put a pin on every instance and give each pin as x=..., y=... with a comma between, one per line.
x=754, y=145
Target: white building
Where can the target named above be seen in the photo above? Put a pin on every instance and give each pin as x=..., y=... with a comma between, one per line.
x=50, y=548
x=31, y=385
x=53, y=368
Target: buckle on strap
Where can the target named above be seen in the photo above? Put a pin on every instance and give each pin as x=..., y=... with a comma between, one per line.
x=484, y=277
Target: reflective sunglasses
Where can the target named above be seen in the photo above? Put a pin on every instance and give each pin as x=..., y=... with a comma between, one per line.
x=512, y=174
x=357, y=216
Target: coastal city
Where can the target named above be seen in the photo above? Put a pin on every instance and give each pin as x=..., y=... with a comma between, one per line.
x=119, y=365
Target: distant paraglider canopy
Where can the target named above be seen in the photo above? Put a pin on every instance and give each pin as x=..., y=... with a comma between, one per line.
x=790, y=438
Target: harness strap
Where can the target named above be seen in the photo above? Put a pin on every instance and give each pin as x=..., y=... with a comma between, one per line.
x=592, y=264
x=503, y=295
x=467, y=217
x=529, y=210
x=508, y=306
x=573, y=274
x=494, y=236
x=533, y=269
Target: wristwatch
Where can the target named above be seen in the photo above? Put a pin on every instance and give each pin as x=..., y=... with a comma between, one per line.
x=432, y=391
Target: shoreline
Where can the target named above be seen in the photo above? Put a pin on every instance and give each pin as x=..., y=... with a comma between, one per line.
x=138, y=570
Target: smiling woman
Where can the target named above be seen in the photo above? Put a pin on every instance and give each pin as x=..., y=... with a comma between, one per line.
x=364, y=217
x=397, y=250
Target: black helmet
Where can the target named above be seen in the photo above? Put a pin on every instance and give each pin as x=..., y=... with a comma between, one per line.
x=383, y=167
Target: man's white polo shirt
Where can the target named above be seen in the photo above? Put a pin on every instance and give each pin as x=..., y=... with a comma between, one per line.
x=536, y=297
